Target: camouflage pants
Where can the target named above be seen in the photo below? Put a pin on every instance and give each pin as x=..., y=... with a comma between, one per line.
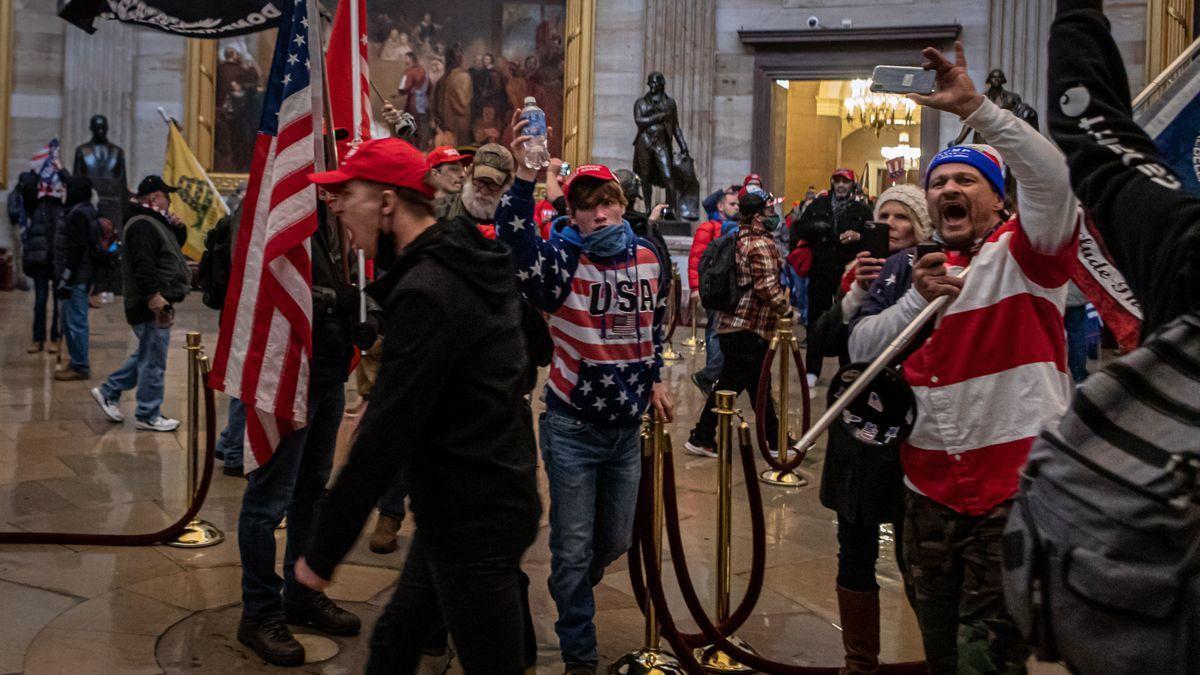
x=955, y=562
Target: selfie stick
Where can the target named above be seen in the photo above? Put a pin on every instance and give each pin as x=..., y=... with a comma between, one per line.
x=362, y=285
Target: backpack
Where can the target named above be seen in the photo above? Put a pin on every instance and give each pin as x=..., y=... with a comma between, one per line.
x=1101, y=559
x=216, y=264
x=719, y=290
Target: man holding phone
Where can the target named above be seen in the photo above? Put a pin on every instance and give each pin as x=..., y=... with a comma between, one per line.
x=991, y=373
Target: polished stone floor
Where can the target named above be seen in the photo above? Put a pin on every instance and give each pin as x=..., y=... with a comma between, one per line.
x=84, y=609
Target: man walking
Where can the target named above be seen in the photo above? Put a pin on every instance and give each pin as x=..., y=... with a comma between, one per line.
x=448, y=410
x=75, y=272
x=601, y=285
x=992, y=372
x=725, y=223
x=155, y=277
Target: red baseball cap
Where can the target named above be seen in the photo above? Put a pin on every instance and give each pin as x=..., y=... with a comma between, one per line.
x=848, y=174
x=382, y=160
x=444, y=154
x=589, y=172
x=752, y=178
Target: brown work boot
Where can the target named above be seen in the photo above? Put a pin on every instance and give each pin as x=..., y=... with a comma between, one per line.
x=859, y=612
x=35, y=347
x=52, y=347
x=383, y=539
x=69, y=374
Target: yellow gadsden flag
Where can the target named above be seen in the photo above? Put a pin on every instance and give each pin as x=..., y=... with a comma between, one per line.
x=197, y=202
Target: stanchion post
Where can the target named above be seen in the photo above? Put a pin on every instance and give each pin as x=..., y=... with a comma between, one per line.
x=651, y=659
x=784, y=340
x=669, y=353
x=199, y=533
x=693, y=342
x=712, y=657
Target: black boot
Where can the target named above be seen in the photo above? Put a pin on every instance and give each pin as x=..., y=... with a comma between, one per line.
x=272, y=641
x=318, y=611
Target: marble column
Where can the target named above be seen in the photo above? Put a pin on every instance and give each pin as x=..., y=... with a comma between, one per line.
x=98, y=79
x=1019, y=33
x=680, y=42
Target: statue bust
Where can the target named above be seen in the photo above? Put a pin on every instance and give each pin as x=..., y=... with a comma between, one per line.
x=654, y=158
x=1006, y=99
x=104, y=163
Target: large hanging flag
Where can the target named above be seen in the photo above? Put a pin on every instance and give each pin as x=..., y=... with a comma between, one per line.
x=197, y=202
x=192, y=18
x=265, y=344
x=349, y=74
x=48, y=166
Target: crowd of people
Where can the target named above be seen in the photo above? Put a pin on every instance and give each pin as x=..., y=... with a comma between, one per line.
x=480, y=285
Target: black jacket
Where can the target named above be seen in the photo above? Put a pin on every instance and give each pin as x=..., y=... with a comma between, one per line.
x=820, y=226
x=335, y=311
x=1150, y=224
x=37, y=240
x=447, y=408
x=77, y=245
x=152, y=262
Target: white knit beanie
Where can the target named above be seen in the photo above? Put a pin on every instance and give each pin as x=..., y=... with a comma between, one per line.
x=914, y=198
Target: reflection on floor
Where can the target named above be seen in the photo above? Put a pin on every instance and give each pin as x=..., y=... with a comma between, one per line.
x=64, y=467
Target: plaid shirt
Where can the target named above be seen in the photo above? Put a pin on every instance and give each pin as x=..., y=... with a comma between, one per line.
x=765, y=300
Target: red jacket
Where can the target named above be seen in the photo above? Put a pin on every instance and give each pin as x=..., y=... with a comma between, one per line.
x=704, y=236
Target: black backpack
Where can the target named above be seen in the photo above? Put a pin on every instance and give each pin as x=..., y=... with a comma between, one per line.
x=216, y=264
x=719, y=289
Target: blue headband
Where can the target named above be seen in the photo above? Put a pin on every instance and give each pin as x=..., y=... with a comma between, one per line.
x=988, y=165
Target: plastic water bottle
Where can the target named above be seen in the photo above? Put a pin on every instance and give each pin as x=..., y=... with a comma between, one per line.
x=537, y=154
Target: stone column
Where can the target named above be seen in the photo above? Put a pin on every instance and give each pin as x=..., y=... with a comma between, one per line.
x=680, y=42
x=1019, y=33
x=98, y=79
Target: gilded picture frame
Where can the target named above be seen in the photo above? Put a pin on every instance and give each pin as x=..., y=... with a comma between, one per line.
x=578, y=84
x=6, y=59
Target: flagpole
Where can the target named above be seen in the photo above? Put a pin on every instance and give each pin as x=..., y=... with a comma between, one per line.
x=356, y=68
x=328, y=142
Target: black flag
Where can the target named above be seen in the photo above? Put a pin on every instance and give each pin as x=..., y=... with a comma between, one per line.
x=191, y=18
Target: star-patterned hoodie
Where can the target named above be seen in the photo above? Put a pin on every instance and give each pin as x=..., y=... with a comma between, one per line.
x=606, y=314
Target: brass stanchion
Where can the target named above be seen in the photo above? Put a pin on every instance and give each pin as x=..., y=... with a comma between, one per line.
x=669, y=353
x=712, y=657
x=782, y=344
x=651, y=659
x=693, y=342
x=199, y=533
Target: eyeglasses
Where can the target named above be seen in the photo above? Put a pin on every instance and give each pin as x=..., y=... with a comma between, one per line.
x=486, y=186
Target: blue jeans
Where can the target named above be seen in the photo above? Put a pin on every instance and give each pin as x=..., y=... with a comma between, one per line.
x=713, y=360
x=289, y=484
x=230, y=444
x=144, y=369
x=593, y=473
x=75, y=325
x=41, y=297
x=1075, y=319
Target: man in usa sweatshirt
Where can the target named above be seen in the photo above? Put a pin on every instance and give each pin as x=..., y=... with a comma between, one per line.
x=599, y=283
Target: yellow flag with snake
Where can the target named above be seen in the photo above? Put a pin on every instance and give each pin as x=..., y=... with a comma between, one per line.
x=197, y=202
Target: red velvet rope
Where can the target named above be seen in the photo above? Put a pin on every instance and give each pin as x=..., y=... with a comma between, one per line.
x=760, y=404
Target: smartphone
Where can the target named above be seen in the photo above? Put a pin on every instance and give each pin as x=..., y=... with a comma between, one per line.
x=902, y=80
x=565, y=171
x=926, y=247
x=874, y=239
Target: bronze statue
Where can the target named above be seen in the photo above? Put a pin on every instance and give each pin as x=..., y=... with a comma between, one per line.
x=654, y=159
x=104, y=163
x=1008, y=100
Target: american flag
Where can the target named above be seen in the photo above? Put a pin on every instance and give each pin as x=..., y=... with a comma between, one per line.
x=48, y=167
x=349, y=74
x=265, y=344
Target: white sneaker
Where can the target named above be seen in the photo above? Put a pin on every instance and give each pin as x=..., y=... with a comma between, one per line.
x=111, y=411
x=159, y=423
x=698, y=450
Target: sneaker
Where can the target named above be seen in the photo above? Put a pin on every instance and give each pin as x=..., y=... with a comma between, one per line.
x=580, y=669
x=234, y=471
x=812, y=386
x=318, y=611
x=159, y=423
x=70, y=375
x=272, y=641
x=698, y=450
x=702, y=383
x=111, y=411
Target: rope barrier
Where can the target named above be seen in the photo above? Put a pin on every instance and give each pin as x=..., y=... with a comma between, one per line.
x=763, y=395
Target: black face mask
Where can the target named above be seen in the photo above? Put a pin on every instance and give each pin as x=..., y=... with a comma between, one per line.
x=385, y=252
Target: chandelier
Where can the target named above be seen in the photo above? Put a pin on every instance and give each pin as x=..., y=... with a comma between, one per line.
x=911, y=156
x=875, y=110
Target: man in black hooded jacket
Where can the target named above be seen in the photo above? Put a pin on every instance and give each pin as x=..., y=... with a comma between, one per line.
x=448, y=408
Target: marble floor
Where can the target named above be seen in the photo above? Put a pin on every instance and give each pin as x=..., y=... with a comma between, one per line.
x=84, y=609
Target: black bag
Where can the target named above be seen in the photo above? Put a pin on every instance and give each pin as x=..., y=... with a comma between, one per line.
x=719, y=290
x=216, y=264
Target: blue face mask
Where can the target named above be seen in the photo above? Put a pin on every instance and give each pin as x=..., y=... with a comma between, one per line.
x=609, y=241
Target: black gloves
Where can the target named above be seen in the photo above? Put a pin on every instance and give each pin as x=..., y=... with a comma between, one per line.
x=366, y=333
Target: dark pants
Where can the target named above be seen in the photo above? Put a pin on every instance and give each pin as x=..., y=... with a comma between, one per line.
x=290, y=483
x=858, y=552
x=822, y=287
x=41, y=297
x=1075, y=320
x=391, y=504
x=955, y=562
x=480, y=599
x=744, y=352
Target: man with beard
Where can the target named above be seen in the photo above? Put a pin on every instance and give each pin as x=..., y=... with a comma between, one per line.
x=990, y=374
x=828, y=226
x=487, y=178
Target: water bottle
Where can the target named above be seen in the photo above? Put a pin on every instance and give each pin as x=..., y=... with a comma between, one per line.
x=537, y=155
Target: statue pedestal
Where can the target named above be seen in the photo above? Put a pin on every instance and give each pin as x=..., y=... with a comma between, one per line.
x=675, y=228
